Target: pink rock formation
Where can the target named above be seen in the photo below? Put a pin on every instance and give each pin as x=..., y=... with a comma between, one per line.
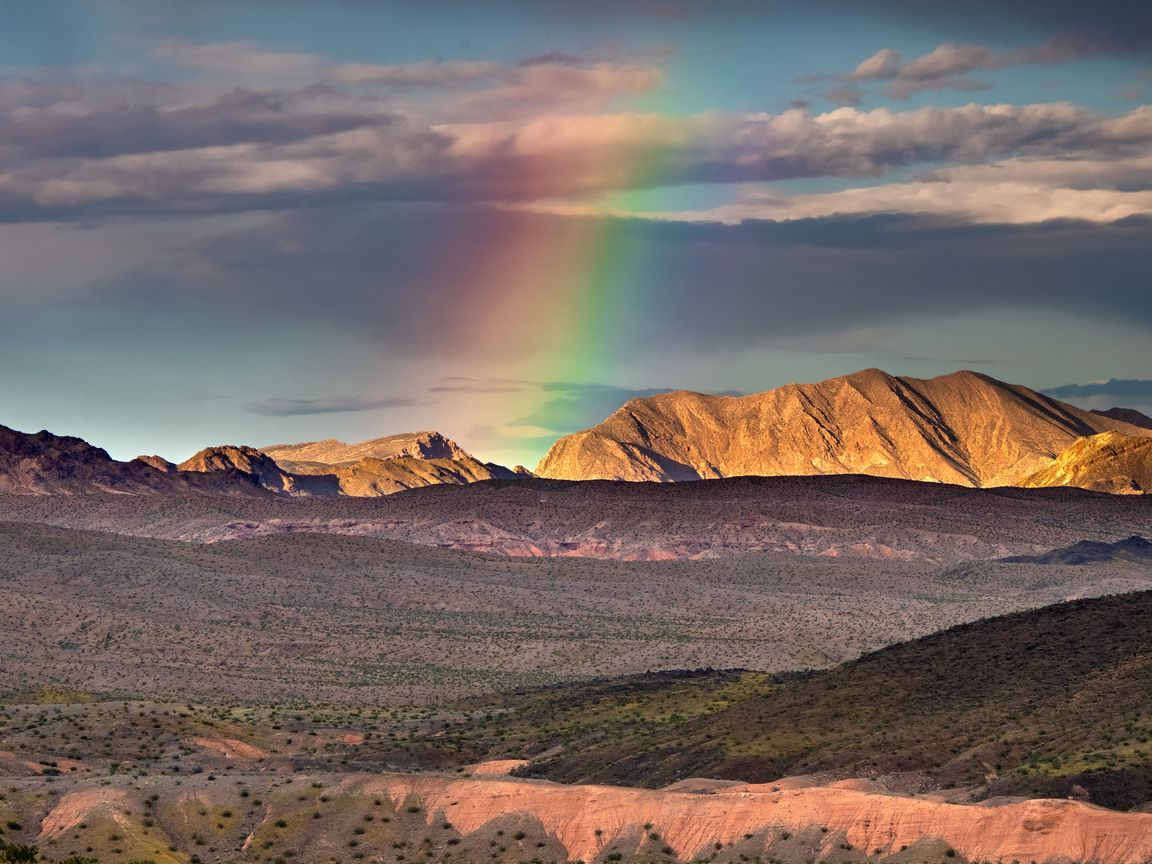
x=1038, y=830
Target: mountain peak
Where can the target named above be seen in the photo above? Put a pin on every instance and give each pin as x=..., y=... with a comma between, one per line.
x=964, y=427
x=426, y=444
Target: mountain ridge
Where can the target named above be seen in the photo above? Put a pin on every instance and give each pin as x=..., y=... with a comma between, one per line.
x=42, y=463
x=1128, y=415
x=965, y=427
x=1108, y=462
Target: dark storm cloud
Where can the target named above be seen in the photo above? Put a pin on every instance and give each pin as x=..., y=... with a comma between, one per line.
x=1115, y=388
x=1124, y=24
x=419, y=282
x=326, y=405
x=97, y=126
x=1132, y=393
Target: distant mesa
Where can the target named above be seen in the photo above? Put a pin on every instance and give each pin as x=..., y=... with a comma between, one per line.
x=47, y=464
x=1108, y=462
x=964, y=428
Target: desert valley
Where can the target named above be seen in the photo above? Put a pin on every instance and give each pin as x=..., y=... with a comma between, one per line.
x=575, y=432
x=334, y=651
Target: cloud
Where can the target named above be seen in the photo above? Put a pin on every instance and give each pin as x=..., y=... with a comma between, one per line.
x=254, y=61
x=882, y=65
x=67, y=126
x=795, y=283
x=326, y=405
x=401, y=159
x=1116, y=392
x=1118, y=388
x=466, y=88
x=1014, y=191
x=948, y=65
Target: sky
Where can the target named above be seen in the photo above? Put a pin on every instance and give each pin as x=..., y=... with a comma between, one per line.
x=269, y=221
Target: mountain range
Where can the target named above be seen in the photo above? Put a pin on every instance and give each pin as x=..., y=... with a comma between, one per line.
x=965, y=429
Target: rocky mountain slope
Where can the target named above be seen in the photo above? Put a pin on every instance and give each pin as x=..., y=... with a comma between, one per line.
x=382, y=466
x=47, y=464
x=963, y=428
x=1108, y=462
x=369, y=476
x=260, y=468
x=329, y=453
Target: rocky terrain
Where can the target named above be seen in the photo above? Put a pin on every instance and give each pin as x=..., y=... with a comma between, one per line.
x=1049, y=703
x=307, y=617
x=848, y=517
x=964, y=428
x=368, y=469
x=47, y=464
x=1108, y=462
x=330, y=453
x=259, y=468
x=267, y=655
x=396, y=818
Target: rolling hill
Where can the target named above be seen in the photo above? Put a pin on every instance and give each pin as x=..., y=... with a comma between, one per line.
x=1051, y=702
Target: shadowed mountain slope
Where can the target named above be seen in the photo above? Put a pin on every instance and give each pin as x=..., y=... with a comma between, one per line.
x=47, y=464
x=1054, y=702
x=962, y=428
x=1127, y=415
x=261, y=468
x=1134, y=549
